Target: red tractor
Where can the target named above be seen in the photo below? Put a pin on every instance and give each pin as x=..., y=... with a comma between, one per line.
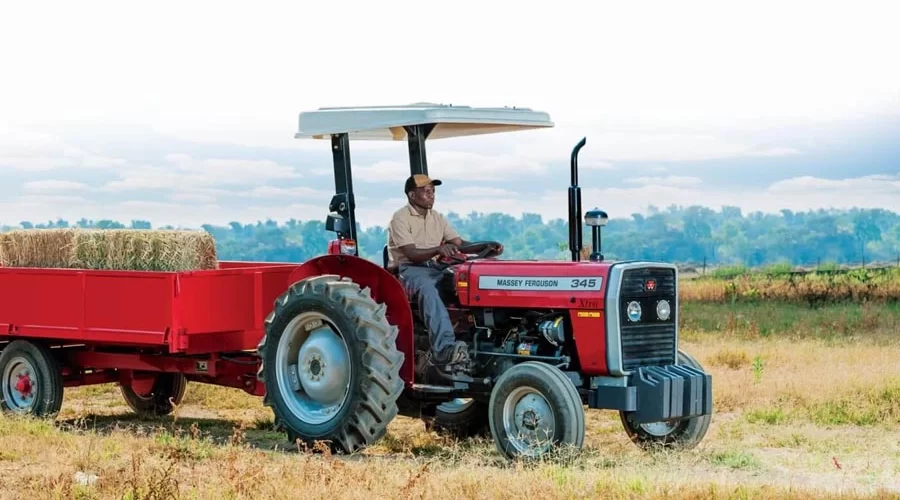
x=331, y=344
x=548, y=337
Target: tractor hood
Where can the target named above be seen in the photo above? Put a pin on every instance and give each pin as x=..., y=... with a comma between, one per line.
x=533, y=284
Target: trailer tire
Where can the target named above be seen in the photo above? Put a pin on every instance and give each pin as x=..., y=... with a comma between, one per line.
x=684, y=434
x=167, y=393
x=554, y=410
x=31, y=382
x=348, y=359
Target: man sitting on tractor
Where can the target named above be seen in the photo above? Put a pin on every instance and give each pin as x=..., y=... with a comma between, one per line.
x=418, y=235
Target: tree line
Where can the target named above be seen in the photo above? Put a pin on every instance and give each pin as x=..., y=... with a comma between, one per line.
x=684, y=235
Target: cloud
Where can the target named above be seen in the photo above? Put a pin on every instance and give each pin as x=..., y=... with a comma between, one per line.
x=672, y=180
x=774, y=152
x=231, y=171
x=290, y=192
x=182, y=172
x=869, y=183
x=31, y=150
x=455, y=165
x=800, y=193
x=478, y=191
x=53, y=186
x=606, y=146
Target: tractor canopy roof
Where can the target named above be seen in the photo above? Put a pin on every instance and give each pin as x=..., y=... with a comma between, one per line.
x=389, y=123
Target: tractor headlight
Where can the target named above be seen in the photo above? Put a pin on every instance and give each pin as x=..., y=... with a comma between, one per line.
x=663, y=310
x=634, y=311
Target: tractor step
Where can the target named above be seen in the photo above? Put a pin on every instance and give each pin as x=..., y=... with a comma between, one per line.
x=433, y=388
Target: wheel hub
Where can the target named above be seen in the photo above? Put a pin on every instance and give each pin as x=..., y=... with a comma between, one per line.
x=326, y=366
x=313, y=368
x=528, y=420
x=19, y=385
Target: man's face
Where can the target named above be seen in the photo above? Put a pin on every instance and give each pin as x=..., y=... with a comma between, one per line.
x=423, y=197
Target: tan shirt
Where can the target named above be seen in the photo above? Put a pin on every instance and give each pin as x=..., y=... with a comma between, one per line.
x=408, y=227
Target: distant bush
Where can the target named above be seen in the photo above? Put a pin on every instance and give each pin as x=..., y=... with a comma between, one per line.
x=813, y=288
x=730, y=272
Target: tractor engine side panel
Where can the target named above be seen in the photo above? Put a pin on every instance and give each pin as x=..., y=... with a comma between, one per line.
x=577, y=289
x=533, y=285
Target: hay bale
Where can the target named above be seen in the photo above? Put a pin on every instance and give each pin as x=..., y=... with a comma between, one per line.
x=110, y=249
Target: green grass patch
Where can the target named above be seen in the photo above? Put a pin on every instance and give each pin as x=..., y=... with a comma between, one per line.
x=734, y=459
x=768, y=416
x=833, y=322
x=879, y=405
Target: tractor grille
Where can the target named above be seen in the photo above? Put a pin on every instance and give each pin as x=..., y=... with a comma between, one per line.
x=649, y=341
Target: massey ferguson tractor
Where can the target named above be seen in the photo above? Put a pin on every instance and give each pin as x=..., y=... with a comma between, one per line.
x=332, y=344
x=547, y=337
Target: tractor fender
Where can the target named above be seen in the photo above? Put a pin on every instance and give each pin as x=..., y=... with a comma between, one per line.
x=384, y=287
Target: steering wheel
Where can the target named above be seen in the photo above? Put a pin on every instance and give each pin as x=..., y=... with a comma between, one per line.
x=465, y=253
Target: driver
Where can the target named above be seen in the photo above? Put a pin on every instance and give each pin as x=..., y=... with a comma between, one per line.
x=416, y=237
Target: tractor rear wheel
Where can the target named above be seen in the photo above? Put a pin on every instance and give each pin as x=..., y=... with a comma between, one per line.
x=685, y=434
x=30, y=380
x=330, y=364
x=534, y=410
x=156, y=397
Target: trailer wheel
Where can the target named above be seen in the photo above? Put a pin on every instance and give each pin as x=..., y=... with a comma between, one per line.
x=330, y=364
x=157, y=398
x=460, y=418
x=535, y=410
x=685, y=433
x=30, y=380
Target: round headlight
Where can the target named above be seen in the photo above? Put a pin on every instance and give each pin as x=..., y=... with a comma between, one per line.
x=634, y=311
x=663, y=310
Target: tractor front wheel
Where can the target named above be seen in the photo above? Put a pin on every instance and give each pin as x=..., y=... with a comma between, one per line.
x=685, y=433
x=330, y=364
x=534, y=410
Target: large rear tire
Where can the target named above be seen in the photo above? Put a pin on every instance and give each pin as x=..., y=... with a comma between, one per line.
x=30, y=380
x=330, y=364
x=683, y=434
x=161, y=398
x=535, y=410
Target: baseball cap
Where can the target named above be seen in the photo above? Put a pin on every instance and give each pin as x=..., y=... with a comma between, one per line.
x=419, y=180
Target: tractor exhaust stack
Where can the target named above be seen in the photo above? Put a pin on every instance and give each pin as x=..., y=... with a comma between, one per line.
x=575, y=205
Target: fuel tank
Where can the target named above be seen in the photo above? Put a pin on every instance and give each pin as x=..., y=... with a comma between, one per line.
x=533, y=284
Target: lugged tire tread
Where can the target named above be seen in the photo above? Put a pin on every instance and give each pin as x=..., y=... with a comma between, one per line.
x=381, y=385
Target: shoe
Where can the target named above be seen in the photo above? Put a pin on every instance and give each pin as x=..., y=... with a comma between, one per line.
x=458, y=353
x=453, y=360
x=423, y=361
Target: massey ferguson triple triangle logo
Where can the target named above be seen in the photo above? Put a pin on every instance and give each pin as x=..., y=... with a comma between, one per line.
x=650, y=285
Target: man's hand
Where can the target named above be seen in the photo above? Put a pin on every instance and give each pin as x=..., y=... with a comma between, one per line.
x=448, y=250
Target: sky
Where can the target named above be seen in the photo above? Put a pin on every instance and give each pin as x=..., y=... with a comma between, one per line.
x=184, y=114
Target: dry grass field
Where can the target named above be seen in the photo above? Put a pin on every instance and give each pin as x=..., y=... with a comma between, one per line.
x=807, y=405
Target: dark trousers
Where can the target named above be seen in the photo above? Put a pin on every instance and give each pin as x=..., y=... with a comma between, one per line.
x=421, y=285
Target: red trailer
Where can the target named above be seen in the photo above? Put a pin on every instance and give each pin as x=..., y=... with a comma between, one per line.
x=336, y=347
x=132, y=326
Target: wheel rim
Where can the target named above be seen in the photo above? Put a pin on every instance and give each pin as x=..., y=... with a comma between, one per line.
x=313, y=368
x=528, y=421
x=658, y=429
x=457, y=405
x=19, y=385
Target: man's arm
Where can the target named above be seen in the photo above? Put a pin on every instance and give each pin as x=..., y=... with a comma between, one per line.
x=419, y=255
x=452, y=237
x=402, y=237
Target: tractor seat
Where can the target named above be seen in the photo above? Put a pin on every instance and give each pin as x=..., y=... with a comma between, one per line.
x=386, y=262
